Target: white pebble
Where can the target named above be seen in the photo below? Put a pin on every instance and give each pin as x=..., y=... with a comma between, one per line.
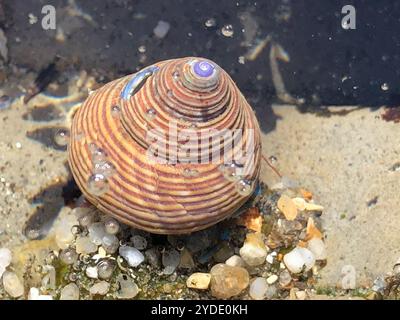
x=272, y=279
x=96, y=232
x=12, y=284
x=317, y=247
x=63, y=234
x=100, y=288
x=199, y=281
x=235, y=261
x=70, y=292
x=132, y=255
x=259, y=289
x=34, y=294
x=5, y=259
x=110, y=243
x=161, y=30
x=92, y=272
x=271, y=257
x=299, y=259
x=254, y=252
x=85, y=246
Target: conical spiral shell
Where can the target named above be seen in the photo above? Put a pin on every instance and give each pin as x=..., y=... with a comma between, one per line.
x=200, y=171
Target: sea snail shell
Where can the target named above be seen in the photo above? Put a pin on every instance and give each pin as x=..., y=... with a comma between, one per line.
x=206, y=161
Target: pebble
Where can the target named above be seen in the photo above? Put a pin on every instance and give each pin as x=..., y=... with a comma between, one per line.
x=68, y=256
x=260, y=290
x=223, y=253
x=85, y=246
x=111, y=226
x=105, y=269
x=379, y=285
x=301, y=295
x=285, y=278
x=170, y=260
x=153, y=256
x=70, y=292
x=110, y=243
x=299, y=259
x=272, y=279
x=92, y=272
x=227, y=281
x=254, y=251
x=161, y=30
x=128, y=288
x=63, y=234
x=12, y=284
x=132, y=255
x=100, y=288
x=187, y=261
x=271, y=257
x=235, y=261
x=96, y=232
x=317, y=247
x=139, y=242
x=34, y=294
x=5, y=260
x=199, y=281
x=287, y=207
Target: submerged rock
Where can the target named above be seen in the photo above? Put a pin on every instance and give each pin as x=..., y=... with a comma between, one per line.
x=12, y=284
x=260, y=289
x=128, y=288
x=132, y=255
x=85, y=246
x=227, y=281
x=299, y=259
x=254, y=251
x=70, y=292
x=235, y=261
x=100, y=288
x=199, y=281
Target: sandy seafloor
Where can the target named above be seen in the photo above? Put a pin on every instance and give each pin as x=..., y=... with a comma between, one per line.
x=347, y=159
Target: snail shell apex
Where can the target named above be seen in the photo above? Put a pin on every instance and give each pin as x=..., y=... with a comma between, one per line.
x=180, y=104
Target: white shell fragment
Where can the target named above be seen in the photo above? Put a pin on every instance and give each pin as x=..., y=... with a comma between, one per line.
x=299, y=259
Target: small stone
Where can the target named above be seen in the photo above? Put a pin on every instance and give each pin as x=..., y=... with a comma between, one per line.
x=300, y=203
x=5, y=260
x=132, y=255
x=271, y=257
x=199, y=281
x=287, y=207
x=299, y=259
x=317, y=247
x=161, y=30
x=128, y=288
x=170, y=260
x=254, y=251
x=259, y=289
x=68, y=256
x=111, y=226
x=235, y=261
x=100, y=288
x=12, y=284
x=105, y=268
x=110, y=243
x=96, y=232
x=153, y=256
x=139, y=242
x=301, y=295
x=34, y=294
x=272, y=279
x=63, y=234
x=227, y=281
x=187, y=261
x=92, y=272
x=85, y=246
x=285, y=278
x=379, y=285
x=223, y=253
x=70, y=292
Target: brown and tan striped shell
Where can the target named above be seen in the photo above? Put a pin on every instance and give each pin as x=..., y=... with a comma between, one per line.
x=108, y=151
